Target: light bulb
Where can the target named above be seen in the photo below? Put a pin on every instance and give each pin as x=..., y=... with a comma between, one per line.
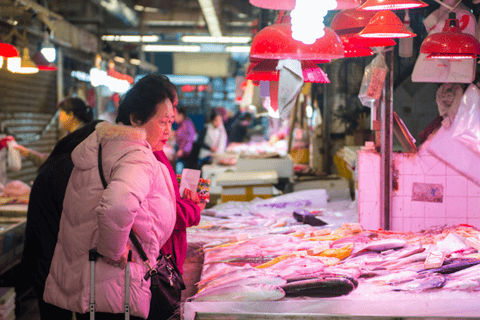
x=49, y=53
x=307, y=19
x=13, y=64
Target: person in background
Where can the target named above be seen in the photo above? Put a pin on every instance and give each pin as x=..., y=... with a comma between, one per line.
x=233, y=118
x=214, y=140
x=188, y=208
x=110, y=113
x=74, y=114
x=185, y=137
x=239, y=129
x=139, y=197
x=43, y=217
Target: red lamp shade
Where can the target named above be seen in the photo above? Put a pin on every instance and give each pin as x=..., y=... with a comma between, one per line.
x=42, y=63
x=349, y=22
x=352, y=50
x=378, y=5
x=274, y=4
x=8, y=51
x=313, y=73
x=451, y=43
x=385, y=24
x=266, y=71
x=371, y=42
x=276, y=42
x=289, y=5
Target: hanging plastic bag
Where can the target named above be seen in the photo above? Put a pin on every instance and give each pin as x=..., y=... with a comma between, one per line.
x=373, y=80
x=448, y=100
x=467, y=120
x=444, y=70
x=14, y=159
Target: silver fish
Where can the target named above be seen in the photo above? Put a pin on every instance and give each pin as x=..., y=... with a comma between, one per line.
x=385, y=244
x=229, y=276
x=422, y=284
x=256, y=279
x=251, y=292
x=392, y=278
x=462, y=284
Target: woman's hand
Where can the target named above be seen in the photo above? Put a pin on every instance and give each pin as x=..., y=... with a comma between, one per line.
x=122, y=262
x=23, y=151
x=190, y=195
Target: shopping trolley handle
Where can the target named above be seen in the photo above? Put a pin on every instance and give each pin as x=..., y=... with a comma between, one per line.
x=93, y=254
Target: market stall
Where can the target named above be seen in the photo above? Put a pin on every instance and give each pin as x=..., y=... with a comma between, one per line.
x=311, y=258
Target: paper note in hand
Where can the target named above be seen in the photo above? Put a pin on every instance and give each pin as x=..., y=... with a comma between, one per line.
x=189, y=180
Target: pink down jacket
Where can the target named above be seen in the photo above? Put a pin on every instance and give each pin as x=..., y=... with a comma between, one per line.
x=139, y=195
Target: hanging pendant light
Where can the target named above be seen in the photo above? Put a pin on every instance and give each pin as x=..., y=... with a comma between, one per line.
x=379, y=5
x=42, y=63
x=289, y=5
x=354, y=50
x=276, y=42
x=451, y=43
x=265, y=70
x=348, y=23
x=7, y=51
x=27, y=66
x=385, y=24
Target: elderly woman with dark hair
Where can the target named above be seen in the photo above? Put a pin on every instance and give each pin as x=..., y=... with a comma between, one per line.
x=139, y=196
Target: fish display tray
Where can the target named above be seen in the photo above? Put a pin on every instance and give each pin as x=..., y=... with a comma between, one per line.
x=456, y=305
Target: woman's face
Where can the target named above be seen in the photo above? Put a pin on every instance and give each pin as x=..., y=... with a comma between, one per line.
x=217, y=121
x=66, y=119
x=158, y=128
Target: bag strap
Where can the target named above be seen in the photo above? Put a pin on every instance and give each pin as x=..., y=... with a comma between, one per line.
x=131, y=235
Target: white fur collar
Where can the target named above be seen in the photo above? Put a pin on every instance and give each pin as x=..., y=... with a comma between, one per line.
x=108, y=130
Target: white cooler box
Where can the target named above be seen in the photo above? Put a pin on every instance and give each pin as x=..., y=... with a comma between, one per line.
x=245, y=186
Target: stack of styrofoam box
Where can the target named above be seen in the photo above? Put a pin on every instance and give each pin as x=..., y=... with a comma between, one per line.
x=7, y=303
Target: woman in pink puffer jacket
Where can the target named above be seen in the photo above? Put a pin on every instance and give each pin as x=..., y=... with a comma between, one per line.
x=139, y=195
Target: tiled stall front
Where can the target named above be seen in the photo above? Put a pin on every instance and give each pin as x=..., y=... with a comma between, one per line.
x=426, y=193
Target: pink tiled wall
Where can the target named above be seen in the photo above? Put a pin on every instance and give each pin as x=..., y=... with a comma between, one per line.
x=461, y=197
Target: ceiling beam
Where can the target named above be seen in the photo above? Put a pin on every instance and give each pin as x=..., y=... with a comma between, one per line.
x=211, y=11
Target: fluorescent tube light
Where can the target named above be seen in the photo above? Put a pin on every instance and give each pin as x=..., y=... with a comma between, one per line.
x=131, y=38
x=209, y=39
x=238, y=49
x=136, y=62
x=170, y=48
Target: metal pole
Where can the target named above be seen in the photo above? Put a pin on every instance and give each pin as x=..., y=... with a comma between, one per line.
x=326, y=119
x=60, y=75
x=386, y=146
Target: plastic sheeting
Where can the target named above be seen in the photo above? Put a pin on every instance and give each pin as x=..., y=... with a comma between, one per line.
x=458, y=145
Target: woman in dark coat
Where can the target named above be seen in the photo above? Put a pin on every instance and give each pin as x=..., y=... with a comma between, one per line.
x=43, y=217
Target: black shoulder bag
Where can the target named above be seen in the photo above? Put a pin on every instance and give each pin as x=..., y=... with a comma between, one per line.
x=166, y=280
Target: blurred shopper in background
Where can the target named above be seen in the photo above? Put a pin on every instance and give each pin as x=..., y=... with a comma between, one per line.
x=213, y=139
x=239, y=129
x=74, y=114
x=185, y=136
